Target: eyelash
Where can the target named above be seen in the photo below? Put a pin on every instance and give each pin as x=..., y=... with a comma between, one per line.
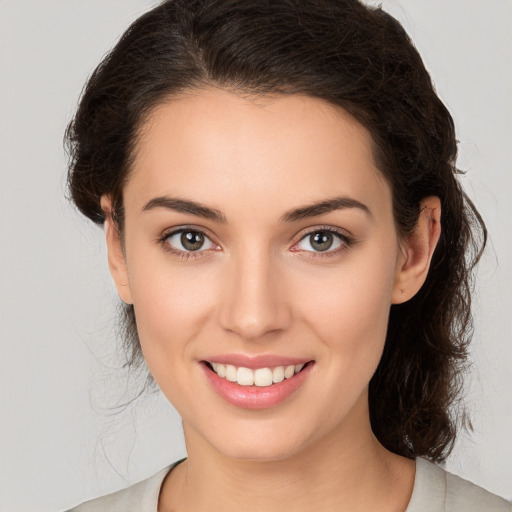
x=186, y=255
x=346, y=242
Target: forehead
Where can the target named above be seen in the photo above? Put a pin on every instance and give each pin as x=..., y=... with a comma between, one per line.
x=219, y=146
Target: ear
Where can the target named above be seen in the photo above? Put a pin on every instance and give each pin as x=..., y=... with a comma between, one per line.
x=116, y=256
x=417, y=250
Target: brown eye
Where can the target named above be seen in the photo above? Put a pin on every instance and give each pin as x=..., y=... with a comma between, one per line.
x=323, y=240
x=192, y=240
x=189, y=240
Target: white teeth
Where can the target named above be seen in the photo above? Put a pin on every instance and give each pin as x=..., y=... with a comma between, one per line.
x=230, y=373
x=245, y=376
x=289, y=371
x=261, y=377
x=221, y=370
x=278, y=374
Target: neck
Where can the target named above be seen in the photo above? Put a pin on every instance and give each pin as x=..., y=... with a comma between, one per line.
x=349, y=470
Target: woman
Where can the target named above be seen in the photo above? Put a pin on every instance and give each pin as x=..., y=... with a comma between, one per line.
x=285, y=227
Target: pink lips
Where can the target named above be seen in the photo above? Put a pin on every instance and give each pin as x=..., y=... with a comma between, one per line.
x=254, y=397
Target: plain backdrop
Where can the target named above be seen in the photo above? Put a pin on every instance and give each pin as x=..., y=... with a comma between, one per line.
x=60, y=440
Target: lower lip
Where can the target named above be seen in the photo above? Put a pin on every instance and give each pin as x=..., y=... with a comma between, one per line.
x=255, y=397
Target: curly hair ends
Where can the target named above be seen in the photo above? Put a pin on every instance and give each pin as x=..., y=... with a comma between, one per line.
x=355, y=57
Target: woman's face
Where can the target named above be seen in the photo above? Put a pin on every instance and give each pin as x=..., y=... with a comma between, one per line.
x=259, y=234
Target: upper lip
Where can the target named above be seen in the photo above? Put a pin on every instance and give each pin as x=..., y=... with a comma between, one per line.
x=255, y=362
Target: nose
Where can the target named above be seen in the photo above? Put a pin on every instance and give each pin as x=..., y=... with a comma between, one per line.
x=254, y=302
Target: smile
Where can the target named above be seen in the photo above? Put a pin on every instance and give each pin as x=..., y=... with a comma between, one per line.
x=266, y=384
x=261, y=377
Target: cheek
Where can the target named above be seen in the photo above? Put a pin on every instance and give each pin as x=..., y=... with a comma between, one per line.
x=349, y=310
x=358, y=291
x=172, y=305
x=171, y=311
x=350, y=321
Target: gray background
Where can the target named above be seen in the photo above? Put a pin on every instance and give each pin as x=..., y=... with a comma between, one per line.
x=59, y=441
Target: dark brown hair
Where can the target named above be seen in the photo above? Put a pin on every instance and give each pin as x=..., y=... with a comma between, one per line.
x=353, y=56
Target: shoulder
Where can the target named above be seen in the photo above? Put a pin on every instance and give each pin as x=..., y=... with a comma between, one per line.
x=437, y=490
x=140, y=497
x=464, y=495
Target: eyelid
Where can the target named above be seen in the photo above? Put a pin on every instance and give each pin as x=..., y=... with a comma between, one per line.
x=345, y=237
x=162, y=239
x=323, y=227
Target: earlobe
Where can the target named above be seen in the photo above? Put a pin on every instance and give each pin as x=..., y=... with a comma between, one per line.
x=116, y=256
x=417, y=251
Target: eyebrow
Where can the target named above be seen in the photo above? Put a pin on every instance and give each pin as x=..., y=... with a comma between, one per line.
x=185, y=206
x=303, y=212
x=323, y=207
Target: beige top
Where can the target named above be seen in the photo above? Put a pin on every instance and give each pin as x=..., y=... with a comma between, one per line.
x=435, y=490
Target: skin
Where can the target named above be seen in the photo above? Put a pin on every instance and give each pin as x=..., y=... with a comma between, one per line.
x=259, y=287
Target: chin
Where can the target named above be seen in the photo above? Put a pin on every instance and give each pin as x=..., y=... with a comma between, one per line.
x=259, y=452
x=262, y=443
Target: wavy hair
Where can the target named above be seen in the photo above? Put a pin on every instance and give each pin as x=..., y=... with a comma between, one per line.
x=360, y=59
